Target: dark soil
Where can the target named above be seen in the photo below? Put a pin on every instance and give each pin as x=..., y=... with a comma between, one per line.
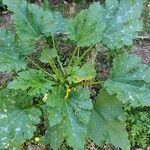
x=142, y=49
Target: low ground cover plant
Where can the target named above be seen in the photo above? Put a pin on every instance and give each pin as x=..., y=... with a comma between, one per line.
x=138, y=126
x=56, y=91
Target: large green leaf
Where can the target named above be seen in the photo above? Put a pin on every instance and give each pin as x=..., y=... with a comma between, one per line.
x=17, y=124
x=87, y=27
x=12, y=52
x=32, y=80
x=122, y=22
x=32, y=21
x=69, y=116
x=130, y=80
x=107, y=122
x=78, y=74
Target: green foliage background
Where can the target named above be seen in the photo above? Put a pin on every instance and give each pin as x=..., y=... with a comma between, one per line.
x=138, y=125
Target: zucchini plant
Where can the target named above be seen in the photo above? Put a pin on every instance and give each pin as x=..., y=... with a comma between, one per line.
x=47, y=86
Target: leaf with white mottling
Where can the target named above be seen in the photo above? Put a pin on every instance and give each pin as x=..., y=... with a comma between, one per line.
x=17, y=124
x=60, y=22
x=122, y=22
x=130, y=80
